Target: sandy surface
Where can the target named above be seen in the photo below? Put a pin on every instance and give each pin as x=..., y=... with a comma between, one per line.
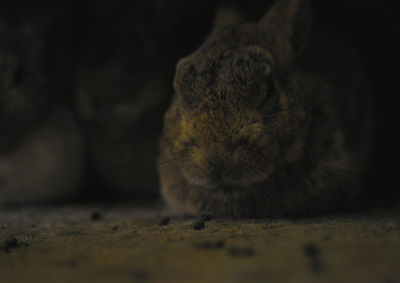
x=128, y=244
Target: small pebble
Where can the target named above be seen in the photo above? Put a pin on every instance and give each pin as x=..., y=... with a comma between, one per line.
x=164, y=221
x=95, y=216
x=198, y=225
x=311, y=250
x=11, y=242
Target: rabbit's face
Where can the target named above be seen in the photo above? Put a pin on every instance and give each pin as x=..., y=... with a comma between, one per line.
x=233, y=117
x=21, y=79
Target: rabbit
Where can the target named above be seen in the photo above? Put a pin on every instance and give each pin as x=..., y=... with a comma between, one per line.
x=269, y=119
x=122, y=91
x=40, y=143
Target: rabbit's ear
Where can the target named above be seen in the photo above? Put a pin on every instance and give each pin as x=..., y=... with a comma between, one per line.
x=227, y=16
x=288, y=25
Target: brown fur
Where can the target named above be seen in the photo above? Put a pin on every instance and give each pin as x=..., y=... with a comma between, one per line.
x=265, y=121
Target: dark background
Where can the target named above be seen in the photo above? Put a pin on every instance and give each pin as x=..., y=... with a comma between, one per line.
x=180, y=26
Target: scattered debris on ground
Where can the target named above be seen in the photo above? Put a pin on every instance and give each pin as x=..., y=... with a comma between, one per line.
x=164, y=221
x=198, y=225
x=60, y=244
x=312, y=251
x=95, y=216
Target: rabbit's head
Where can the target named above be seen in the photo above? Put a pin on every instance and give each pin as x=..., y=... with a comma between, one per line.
x=240, y=108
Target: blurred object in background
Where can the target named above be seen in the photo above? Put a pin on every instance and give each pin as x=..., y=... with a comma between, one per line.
x=121, y=92
x=123, y=87
x=40, y=147
x=69, y=54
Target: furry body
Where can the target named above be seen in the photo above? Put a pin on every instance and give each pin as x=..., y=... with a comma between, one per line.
x=267, y=120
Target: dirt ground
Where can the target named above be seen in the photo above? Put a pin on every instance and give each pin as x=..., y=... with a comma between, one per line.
x=93, y=243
